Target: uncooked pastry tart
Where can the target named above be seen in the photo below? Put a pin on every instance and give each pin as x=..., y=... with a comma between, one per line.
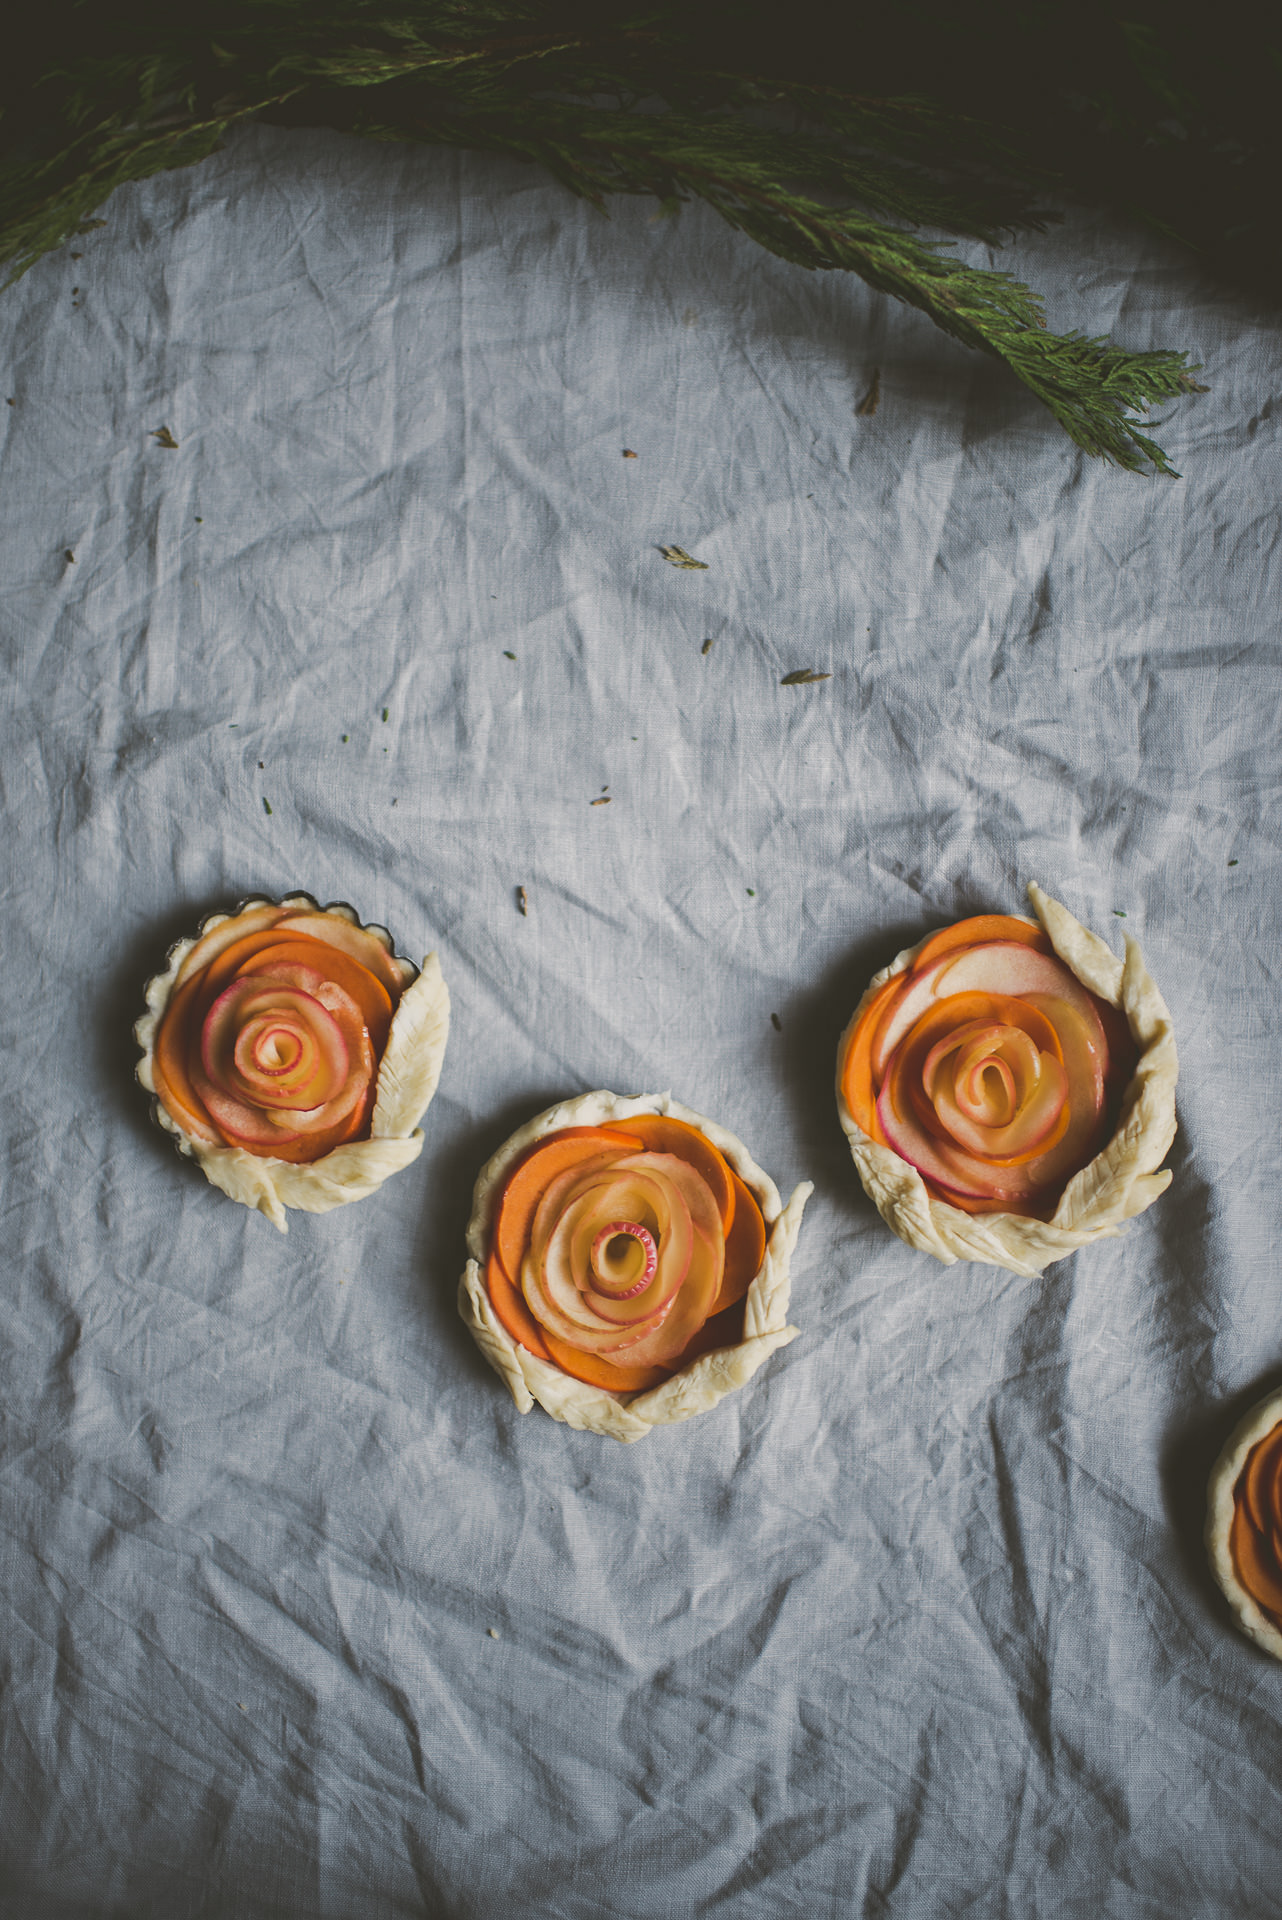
x=291, y=1053
x=995, y=1110
x=629, y=1263
x=1244, y=1523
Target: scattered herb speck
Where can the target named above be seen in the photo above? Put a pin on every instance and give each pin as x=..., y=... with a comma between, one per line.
x=384, y=716
x=678, y=557
x=163, y=435
x=493, y=1632
x=267, y=805
x=346, y=737
x=752, y=893
x=628, y=454
x=260, y=766
x=708, y=645
x=522, y=903
x=199, y=521
x=803, y=677
x=1232, y=863
x=69, y=556
x=602, y=800
x=1120, y=913
x=508, y=655
x=776, y=1023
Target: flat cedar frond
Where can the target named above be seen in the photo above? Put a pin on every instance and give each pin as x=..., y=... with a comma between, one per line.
x=609, y=99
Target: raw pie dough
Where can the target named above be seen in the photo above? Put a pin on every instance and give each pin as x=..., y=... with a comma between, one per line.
x=407, y=1078
x=1121, y=1181
x=1219, y=1518
x=704, y=1381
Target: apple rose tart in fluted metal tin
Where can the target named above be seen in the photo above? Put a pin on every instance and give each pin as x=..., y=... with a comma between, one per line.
x=1244, y=1523
x=1008, y=1089
x=629, y=1263
x=291, y=1053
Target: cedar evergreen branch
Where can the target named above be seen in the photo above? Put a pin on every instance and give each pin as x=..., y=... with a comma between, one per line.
x=675, y=101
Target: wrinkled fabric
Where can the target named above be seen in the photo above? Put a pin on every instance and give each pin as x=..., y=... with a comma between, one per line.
x=300, y=1616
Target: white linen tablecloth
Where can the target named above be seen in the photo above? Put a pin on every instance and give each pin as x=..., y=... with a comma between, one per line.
x=300, y=1616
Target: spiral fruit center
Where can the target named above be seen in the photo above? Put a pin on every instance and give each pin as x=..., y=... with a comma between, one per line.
x=624, y=1259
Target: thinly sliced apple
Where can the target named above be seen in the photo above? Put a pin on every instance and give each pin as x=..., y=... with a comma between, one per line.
x=325, y=1062
x=694, y=1190
x=935, y=1160
x=1005, y=967
x=983, y=927
x=663, y=1133
x=1083, y=1045
x=552, y=1319
x=528, y=1180
x=363, y=946
x=367, y=992
x=1025, y=1134
x=596, y=1372
x=218, y=939
x=564, y=1275
x=684, y=1317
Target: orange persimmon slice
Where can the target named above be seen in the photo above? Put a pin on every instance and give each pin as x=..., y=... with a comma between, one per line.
x=662, y=1133
x=531, y=1177
x=745, y=1248
x=370, y=995
x=513, y=1314
x=1249, y=1561
x=977, y=931
x=596, y=1372
x=856, y=1074
x=174, y=1035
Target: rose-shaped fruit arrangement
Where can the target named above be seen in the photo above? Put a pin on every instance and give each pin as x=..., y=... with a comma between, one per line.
x=1008, y=1089
x=1244, y=1523
x=629, y=1263
x=292, y=1053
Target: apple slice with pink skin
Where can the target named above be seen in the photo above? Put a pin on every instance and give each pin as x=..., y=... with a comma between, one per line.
x=631, y=1208
x=595, y=1339
x=622, y=1260
x=943, y=1165
x=565, y=1261
x=1018, y=971
x=218, y=939
x=705, y=1214
x=683, y=1319
x=324, y=1057
x=1033, y=1117
x=355, y=941
x=1022, y=1179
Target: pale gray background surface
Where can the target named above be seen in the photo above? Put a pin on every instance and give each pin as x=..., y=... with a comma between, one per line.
x=918, y=1623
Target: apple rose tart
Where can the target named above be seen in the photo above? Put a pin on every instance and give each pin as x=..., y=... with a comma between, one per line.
x=1244, y=1523
x=292, y=1053
x=630, y=1263
x=1008, y=1089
